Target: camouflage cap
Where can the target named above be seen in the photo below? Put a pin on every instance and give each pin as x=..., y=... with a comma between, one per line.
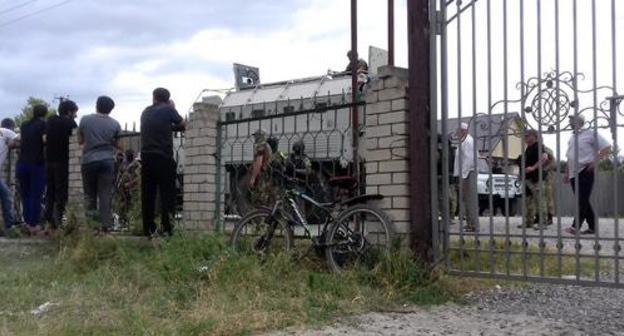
x=259, y=137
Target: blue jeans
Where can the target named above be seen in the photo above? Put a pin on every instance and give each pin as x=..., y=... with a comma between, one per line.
x=32, y=182
x=7, y=205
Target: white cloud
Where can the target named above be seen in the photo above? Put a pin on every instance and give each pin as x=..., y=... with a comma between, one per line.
x=315, y=40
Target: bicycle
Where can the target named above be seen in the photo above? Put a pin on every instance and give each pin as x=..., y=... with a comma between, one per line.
x=354, y=233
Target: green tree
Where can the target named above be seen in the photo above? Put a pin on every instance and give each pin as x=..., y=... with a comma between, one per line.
x=27, y=110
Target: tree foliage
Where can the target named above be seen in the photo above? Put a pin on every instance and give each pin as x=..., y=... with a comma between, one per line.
x=27, y=111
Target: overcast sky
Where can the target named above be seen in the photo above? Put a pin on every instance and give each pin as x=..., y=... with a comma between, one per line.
x=85, y=48
x=124, y=49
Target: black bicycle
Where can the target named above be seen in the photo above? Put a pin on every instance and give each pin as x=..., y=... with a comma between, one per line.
x=354, y=233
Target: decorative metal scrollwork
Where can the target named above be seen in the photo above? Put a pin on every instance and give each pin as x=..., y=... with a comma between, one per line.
x=548, y=101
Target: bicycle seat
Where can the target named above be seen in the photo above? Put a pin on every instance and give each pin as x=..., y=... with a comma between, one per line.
x=344, y=182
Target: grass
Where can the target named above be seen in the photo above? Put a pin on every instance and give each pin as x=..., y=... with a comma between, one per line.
x=193, y=286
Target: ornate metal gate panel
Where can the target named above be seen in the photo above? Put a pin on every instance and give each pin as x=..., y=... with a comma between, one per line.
x=535, y=86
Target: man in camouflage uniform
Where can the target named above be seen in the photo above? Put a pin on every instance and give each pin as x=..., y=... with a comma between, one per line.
x=127, y=185
x=537, y=157
x=549, y=195
x=260, y=184
x=299, y=164
x=278, y=159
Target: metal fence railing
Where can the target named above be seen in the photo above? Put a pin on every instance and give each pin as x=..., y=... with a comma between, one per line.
x=326, y=133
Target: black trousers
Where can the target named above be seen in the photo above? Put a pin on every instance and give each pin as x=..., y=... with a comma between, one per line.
x=57, y=185
x=158, y=175
x=586, y=213
x=98, y=182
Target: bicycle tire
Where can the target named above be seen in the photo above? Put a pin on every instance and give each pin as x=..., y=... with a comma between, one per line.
x=335, y=259
x=239, y=231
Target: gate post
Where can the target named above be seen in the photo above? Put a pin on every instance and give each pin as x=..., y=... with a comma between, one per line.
x=419, y=46
x=200, y=168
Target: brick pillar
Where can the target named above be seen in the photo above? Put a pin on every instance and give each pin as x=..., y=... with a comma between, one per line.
x=75, y=192
x=386, y=141
x=200, y=167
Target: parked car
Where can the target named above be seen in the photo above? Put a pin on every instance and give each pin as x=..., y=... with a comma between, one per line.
x=502, y=187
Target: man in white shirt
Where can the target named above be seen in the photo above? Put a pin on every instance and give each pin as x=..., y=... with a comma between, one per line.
x=465, y=170
x=591, y=149
x=8, y=139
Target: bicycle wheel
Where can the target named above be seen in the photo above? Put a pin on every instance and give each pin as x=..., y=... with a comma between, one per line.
x=262, y=234
x=360, y=237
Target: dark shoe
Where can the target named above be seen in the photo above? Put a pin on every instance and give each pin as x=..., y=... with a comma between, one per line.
x=522, y=226
x=538, y=227
x=469, y=229
x=35, y=230
x=588, y=231
x=570, y=230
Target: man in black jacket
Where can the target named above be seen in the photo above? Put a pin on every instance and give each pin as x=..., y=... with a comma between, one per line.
x=59, y=129
x=158, y=171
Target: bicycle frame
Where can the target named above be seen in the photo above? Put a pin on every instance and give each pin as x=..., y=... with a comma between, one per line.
x=293, y=213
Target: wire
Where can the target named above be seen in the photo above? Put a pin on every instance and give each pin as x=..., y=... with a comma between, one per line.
x=10, y=9
x=62, y=3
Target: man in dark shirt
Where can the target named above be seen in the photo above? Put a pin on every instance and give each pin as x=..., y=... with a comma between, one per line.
x=536, y=158
x=58, y=131
x=30, y=170
x=158, y=171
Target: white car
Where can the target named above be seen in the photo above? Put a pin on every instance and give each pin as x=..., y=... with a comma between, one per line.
x=502, y=187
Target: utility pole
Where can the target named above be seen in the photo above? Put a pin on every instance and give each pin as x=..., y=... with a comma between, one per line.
x=419, y=93
x=355, y=114
x=391, y=32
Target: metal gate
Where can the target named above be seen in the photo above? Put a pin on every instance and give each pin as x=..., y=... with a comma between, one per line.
x=528, y=95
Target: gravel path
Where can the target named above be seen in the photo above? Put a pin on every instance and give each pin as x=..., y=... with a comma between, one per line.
x=527, y=310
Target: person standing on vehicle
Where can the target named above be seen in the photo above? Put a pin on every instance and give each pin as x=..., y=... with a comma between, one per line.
x=536, y=158
x=59, y=129
x=8, y=139
x=360, y=64
x=591, y=149
x=466, y=172
x=99, y=135
x=30, y=169
x=158, y=171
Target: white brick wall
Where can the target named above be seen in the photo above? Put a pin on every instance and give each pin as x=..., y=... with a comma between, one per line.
x=76, y=192
x=385, y=137
x=200, y=189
